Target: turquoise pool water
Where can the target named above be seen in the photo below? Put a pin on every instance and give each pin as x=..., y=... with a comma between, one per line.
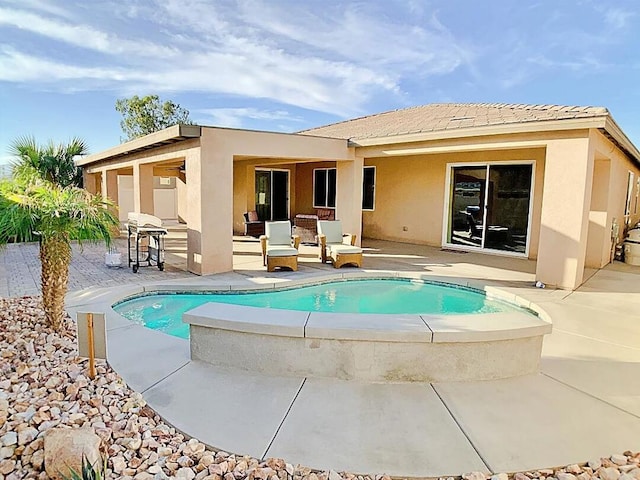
x=164, y=311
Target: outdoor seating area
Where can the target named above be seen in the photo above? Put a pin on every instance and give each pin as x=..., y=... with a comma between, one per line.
x=333, y=247
x=279, y=247
x=253, y=227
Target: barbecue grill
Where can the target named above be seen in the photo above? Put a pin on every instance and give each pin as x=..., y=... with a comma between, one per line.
x=145, y=241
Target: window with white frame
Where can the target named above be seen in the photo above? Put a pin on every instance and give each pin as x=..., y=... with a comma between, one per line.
x=368, y=188
x=324, y=188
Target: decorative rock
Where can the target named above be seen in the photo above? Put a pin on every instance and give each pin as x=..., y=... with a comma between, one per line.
x=595, y=464
x=185, y=461
x=626, y=476
x=164, y=451
x=10, y=438
x=37, y=459
x=333, y=475
x=64, y=449
x=6, y=452
x=185, y=473
x=619, y=459
x=635, y=473
x=27, y=435
x=500, y=476
x=7, y=466
x=565, y=476
x=474, y=476
x=143, y=476
x=135, y=444
x=608, y=473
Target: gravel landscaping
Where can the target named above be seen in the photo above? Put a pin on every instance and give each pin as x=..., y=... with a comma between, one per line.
x=43, y=384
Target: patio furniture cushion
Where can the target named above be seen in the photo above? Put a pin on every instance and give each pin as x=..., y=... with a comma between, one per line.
x=332, y=229
x=341, y=249
x=252, y=225
x=306, y=226
x=326, y=213
x=278, y=233
x=281, y=251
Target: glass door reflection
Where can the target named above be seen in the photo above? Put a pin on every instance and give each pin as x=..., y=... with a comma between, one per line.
x=490, y=206
x=467, y=206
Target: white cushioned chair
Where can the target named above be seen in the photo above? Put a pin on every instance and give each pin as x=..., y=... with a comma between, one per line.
x=279, y=247
x=337, y=247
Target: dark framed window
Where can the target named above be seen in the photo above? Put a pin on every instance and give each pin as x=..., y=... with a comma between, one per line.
x=324, y=188
x=368, y=188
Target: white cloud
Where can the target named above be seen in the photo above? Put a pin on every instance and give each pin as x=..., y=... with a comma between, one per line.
x=235, y=117
x=577, y=64
x=617, y=17
x=360, y=33
x=16, y=66
x=210, y=51
x=83, y=36
x=41, y=6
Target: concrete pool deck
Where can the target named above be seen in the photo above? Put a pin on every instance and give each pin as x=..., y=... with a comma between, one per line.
x=584, y=404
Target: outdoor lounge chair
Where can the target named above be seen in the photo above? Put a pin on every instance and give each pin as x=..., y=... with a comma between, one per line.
x=277, y=248
x=333, y=246
x=253, y=227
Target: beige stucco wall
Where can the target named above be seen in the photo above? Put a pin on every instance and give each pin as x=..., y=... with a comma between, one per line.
x=244, y=198
x=218, y=206
x=410, y=192
x=608, y=200
x=304, y=185
x=580, y=185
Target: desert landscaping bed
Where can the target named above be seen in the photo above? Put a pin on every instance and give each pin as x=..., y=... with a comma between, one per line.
x=43, y=385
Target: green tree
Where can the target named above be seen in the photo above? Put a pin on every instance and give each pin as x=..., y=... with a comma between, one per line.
x=31, y=205
x=54, y=162
x=144, y=115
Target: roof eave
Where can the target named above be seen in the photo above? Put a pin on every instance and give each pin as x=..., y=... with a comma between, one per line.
x=621, y=140
x=507, y=128
x=167, y=136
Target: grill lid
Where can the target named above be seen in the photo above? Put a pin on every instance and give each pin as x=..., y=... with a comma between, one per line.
x=634, y=235
x=143, y=220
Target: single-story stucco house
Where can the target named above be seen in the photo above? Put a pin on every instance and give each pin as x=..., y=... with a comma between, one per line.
x=552, y=183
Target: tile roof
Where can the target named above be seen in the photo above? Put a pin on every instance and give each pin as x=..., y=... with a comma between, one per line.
x=448, y=116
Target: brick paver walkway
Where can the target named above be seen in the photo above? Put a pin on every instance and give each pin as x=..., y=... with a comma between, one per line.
x=20, y=269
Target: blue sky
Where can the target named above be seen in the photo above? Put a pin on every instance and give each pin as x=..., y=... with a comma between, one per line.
x=287, y=65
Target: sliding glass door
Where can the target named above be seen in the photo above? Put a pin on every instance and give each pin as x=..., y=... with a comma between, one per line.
x=490, y=206
x=272, y=194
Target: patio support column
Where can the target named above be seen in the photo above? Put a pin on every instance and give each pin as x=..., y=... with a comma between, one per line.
x=349, y=196
x=91, y=181
x=143, y=188
x=566, y=203
x=110, y=185
x=210, y=213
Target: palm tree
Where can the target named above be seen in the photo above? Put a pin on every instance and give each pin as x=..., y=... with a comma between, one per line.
x=30, y=204
x=53, y=161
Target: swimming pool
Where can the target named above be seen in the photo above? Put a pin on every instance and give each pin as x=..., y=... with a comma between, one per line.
x=380, y=296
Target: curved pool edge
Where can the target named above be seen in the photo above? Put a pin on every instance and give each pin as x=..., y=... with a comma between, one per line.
x=457, y=348
x=384, y=348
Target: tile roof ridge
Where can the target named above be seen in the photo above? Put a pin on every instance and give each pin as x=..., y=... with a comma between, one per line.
x=595, y=110
x=371, y=115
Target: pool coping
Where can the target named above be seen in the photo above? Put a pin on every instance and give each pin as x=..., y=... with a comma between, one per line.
x=463, y=328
